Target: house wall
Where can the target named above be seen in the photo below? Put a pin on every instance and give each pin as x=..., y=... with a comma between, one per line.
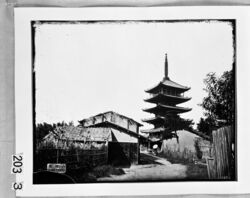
x=123, y=149
x=123, y=153
x=118, y=136
x=113, y=118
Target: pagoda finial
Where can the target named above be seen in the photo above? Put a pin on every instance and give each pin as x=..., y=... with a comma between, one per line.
x=166, y=67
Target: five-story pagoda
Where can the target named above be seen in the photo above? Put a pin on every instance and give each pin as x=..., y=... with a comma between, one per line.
x=166, y=95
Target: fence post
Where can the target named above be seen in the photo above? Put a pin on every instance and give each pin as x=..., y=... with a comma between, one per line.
x=57, y=152
x=107, y=152
x=77, y=155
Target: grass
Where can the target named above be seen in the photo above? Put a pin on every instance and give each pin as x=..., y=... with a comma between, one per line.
x=91, y=175
x=194, y=171
x=106, y=171
x=176, y=157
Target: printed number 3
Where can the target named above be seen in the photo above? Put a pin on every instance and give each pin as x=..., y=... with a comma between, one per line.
x=17, y=186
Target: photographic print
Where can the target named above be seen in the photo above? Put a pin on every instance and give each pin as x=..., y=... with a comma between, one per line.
x=134, y=101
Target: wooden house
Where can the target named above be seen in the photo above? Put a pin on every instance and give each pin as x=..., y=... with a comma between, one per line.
x=76, y=147
x=110, y=137
x=123, y=148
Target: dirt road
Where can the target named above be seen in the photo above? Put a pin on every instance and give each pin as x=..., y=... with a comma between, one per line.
x=151, y=168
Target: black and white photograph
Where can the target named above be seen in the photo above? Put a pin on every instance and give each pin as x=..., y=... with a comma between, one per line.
x=134, y=101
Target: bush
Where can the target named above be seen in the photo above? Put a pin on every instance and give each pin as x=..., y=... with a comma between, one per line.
x=106, y=171
x=176, y=156
x=90, y=175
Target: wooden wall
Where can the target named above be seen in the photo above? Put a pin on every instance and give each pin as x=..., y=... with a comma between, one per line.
x=113, y=118
x=222, y=163
x=123, y=153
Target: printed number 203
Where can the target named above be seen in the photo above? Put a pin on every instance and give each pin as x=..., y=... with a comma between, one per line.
x=17, y=164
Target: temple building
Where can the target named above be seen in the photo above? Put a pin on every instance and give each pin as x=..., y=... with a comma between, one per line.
x=166, y=95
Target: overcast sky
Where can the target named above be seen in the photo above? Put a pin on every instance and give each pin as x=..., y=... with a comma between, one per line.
x=85, y=69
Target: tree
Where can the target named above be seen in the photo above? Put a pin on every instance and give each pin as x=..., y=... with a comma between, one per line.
x=174, y=123
x=42, y=129
x=219, y=102
x=206, y=125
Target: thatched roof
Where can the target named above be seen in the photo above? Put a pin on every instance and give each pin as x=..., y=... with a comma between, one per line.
x=80, y=134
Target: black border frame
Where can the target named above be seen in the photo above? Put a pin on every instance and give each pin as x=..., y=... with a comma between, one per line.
x=33, y=52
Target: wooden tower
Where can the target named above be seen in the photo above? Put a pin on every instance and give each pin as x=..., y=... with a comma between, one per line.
x=166, y=95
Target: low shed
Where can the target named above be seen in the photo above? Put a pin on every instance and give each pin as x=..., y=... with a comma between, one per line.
x=124, y=148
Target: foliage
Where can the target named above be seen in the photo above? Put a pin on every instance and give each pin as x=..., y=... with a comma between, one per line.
x=106, y=171
x=42, y=129
x=176, y=156
x=196, y=172
x=206, y=125
x=91, y=175
x=174, y=123
x=219, y=102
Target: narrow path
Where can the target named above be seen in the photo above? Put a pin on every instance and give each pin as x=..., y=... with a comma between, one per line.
x=151, y=168
x=154, y=158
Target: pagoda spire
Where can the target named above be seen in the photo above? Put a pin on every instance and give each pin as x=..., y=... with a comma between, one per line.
x=166, y=67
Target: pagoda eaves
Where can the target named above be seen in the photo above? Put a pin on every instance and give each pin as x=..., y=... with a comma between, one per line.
x=154, y=120
x=160, y=108
x=167, y=98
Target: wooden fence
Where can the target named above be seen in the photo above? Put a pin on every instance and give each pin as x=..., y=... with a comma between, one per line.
x=222, y=163
x=73, y=158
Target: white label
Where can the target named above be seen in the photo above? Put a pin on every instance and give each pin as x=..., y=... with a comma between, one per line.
x=57, y=168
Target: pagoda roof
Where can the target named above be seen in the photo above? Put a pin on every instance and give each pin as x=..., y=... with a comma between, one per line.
x=167, y=83
x=154, y=130
x=154, y=120
x=167, y=109
x=161, y=97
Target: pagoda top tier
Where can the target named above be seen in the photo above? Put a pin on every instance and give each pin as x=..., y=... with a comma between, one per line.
x=166, y=83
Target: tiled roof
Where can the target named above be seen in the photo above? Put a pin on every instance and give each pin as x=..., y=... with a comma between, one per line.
x=161, y=97
x=173, y=84
x=161, y=107
x=114, y=113
x=168, y=83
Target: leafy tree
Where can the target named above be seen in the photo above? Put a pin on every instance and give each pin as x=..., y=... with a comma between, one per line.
x=219, y=102
x=206, y=125
x=174, y=123
x=42, y=129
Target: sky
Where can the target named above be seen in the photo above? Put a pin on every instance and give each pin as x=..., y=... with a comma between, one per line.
x=85, y=69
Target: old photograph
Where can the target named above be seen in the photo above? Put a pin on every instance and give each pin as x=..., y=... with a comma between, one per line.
x=134, y=101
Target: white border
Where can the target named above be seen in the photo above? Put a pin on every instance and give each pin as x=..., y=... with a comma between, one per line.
x=23, y=97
